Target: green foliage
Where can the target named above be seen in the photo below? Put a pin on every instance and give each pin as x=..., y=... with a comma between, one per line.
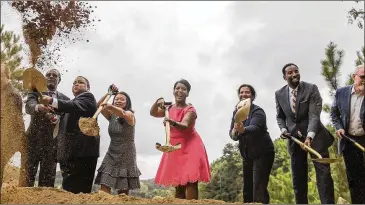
x=149, y=190
x=10, y=55
x=338, y=170
x=331, y=66
x=226, y=182
x=356, y=15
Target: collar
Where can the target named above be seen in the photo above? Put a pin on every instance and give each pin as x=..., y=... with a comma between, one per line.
x=353, y=90
x=291, y=89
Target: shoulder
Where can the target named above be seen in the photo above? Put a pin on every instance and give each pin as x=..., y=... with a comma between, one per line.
x=281, y=90
x=308, y=85
x=86, y=94
x=189, y=108
x=344, y=89
x=257, y=109
x=61, y=95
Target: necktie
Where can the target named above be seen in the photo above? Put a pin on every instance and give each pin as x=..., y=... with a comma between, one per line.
x=293, y=100
x=51, y=94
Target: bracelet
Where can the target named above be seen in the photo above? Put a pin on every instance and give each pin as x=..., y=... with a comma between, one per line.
x=174, y=123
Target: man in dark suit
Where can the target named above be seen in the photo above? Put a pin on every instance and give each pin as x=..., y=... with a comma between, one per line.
x=299, y=105
x=256, y=147
x=41, y=133
x=77, y=153
x=347, y=113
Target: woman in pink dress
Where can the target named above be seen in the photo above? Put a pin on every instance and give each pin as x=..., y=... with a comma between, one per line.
x=187, y=166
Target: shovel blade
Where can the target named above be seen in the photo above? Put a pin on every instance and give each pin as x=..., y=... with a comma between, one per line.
x=89, y=126
x=34, y=79
x=167, y=148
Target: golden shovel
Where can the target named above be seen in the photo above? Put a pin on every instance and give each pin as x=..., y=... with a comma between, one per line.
x=167, y=147
x=89, y=126
x=33, y=80
x=242, y=112
x=319, y=159
x=355, y=143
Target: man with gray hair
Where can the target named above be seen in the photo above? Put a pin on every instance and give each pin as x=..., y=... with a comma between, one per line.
x=347, y=113
x=42, y=134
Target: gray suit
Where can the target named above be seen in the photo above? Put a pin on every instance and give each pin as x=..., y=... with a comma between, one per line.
x=42, y=147
x=305, y=120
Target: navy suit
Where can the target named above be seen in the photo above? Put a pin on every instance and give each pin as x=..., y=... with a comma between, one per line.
x=354, y=158
x=257, y=151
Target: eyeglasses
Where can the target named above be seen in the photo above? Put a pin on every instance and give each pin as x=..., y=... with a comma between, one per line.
x=361, y=76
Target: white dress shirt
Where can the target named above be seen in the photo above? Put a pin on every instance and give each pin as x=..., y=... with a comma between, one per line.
x=355, y=125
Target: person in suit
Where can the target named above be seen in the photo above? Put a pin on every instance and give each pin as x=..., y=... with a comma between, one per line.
x=347, y=113
x=41, y=133
x=77, y=153
x=256, y=147
x=299, y=105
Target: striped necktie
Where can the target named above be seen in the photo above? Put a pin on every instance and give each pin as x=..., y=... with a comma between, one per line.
x=293, y=100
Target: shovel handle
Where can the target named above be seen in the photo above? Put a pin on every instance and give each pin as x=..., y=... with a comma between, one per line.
x=359, y=146
x=306, y=147
x=355, y=143
x=101, y=107
x=167, y=126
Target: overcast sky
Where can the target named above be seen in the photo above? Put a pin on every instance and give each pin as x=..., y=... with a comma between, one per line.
x=145, y=47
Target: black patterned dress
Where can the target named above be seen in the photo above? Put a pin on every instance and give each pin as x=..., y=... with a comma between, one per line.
x=119, y=168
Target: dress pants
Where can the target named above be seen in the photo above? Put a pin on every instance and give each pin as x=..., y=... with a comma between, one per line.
x=355, y=169
x=299, y=167
x=256, y=174
x=78, y=174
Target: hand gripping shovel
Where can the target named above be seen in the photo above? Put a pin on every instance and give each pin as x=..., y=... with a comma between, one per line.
x=319, y=159
x=33, y=80
x=355, y=143
x=89, y=126
x=242, y=112
x=167, y=147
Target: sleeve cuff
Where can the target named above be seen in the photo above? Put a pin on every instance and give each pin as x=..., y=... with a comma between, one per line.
x=55, y=103
x=311, y=135
x=283, y=130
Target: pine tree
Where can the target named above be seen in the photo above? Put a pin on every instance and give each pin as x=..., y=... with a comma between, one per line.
x=10, y=55
x=331, y=71
x=356, y=15
x=331, y=66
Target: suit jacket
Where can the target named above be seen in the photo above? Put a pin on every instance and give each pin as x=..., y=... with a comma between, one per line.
x=40, y=130
x=307, y=117
x=340, y=112
x=256, y=140
x=72, y=143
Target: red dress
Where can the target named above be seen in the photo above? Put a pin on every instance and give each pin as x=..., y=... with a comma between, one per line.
x=189, y=163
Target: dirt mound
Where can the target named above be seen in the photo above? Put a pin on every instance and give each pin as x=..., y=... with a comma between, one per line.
x=11, y=194
x=11, y=176
x=36, y=195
